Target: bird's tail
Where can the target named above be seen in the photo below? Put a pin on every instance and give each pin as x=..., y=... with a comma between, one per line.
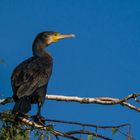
x=23, y=105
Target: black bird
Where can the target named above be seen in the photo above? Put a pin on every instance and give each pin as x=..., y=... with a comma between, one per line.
x=30, y=78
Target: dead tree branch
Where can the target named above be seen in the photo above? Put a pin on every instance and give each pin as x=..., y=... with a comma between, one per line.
x=88, y=133
x=98, y=100
x=26, y=121
x=116, y=127
x=87, y=124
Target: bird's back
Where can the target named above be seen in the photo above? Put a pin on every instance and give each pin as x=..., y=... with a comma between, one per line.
x=30, y=75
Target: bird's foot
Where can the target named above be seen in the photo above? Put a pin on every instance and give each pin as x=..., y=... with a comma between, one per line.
x=39, y=119
x=22, y=115
x=18, y=116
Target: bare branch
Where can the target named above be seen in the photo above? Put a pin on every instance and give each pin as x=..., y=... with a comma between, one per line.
x=88, y=125
x=6, y=100
x=41, y=127
x=98, y=100
x=88, y=133
x=38, y=126
x=27, y=121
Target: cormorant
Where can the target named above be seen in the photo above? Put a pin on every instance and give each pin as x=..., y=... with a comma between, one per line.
x=30, y=78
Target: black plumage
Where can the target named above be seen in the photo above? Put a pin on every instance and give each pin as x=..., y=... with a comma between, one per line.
x=29, y=81
x=30, y=78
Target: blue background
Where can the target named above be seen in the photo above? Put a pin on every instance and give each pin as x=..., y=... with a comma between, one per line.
x=103, y=59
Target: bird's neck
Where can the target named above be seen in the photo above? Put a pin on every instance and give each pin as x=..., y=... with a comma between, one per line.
x=38, y=50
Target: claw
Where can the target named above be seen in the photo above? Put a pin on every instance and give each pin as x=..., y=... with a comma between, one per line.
x=39, y=119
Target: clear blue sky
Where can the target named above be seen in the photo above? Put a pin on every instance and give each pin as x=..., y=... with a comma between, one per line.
x=103, y=60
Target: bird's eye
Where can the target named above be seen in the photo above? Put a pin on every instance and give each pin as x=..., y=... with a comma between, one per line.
x=55, y=34
x=45, y=35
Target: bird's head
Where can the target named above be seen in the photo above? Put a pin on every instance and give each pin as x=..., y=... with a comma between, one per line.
x=50, y=37
x=45, y=38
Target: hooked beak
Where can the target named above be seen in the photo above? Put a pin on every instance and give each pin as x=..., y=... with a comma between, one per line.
x=57, y=37
x=61, y=36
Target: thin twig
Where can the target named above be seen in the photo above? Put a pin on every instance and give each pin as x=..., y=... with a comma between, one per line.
x=86, y=124
x=88, y=133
